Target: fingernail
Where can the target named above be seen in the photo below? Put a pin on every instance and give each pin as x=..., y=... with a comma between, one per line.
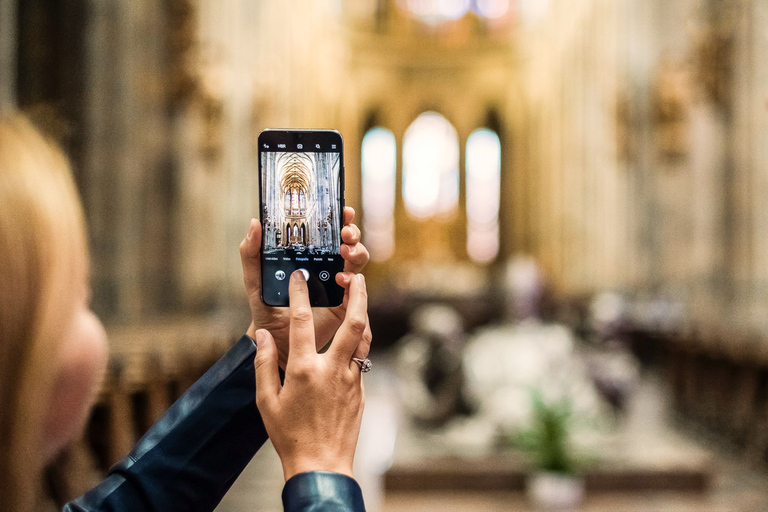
x=361, y=278
x=298, y=274
x=250, y=229
x=259, y=339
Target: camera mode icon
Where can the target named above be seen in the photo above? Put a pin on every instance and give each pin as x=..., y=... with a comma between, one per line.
x=324, y=275
x=279, y=275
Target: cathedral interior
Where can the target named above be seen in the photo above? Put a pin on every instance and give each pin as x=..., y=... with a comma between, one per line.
x=300, y=201
x=563, y=201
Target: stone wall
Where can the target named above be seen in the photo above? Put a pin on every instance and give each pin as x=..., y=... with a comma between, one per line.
x=647, y=160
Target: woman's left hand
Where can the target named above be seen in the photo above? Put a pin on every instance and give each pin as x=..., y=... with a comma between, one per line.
x=313, y=419
x=277, y=320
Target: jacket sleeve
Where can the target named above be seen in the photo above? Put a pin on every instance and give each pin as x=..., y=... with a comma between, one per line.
x=322, y=491
x=193, y=454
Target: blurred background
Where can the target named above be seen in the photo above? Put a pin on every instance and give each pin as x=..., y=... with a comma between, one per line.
x=563, y=201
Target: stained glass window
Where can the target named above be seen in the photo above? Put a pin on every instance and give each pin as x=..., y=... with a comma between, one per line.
x=430, y=166
x=483, y=194
x=378, y=179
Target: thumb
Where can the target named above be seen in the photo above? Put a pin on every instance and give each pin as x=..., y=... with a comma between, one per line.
x=265, y=363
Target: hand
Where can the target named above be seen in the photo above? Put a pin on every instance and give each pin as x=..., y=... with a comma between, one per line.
x=313, y=420
x=276, y=320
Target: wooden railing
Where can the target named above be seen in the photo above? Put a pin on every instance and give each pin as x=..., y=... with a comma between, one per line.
x=149, y=368
x=718, y=382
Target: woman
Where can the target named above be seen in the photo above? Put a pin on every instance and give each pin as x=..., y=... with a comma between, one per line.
x=53, y=355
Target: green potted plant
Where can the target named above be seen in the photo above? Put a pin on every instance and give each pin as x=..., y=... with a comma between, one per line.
x=555, y=484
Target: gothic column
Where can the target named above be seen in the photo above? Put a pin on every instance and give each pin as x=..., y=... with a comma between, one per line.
x=514, y=224
x=127, y=158
x=7, y=54
x=464, y=127
x=400, y=120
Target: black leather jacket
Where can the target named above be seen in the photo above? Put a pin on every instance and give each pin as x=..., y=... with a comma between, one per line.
x=188, y=459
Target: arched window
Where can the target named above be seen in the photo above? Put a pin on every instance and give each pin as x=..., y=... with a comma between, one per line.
x=378, y=176
x=430, y=166
x=483, y=194
x=294, y=202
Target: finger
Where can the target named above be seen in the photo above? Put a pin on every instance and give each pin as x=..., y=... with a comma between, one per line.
x=265, y=364
x=250, y=256
x=364, y=347
x=349, y=215
x=344, y=279
x=301, y=339
x=352, y=328
x=350, y=234
x=355, y=257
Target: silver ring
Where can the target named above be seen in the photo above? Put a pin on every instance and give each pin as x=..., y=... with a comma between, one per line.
x=364, y=364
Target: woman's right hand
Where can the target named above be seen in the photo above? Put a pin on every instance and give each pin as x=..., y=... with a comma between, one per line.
x=313, y=419
x=276, y=319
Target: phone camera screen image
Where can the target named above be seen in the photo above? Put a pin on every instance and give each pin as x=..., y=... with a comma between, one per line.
x=302, y=201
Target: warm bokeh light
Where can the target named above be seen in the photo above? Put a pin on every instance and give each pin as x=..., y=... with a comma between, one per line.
x=433, y=12
x=483, y=194
x=492, y=9
x=533, y=11
x=379, y=152
x=430, y=166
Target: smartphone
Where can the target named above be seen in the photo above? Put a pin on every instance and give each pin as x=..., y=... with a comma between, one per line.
x=301, y=205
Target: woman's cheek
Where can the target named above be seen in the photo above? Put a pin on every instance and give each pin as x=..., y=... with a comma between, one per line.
x=98, y=351
x=82, y=370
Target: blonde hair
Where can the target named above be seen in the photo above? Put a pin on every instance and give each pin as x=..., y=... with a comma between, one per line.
x=43, y=256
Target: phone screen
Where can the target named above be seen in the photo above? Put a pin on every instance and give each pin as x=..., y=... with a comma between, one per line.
x=302, y=204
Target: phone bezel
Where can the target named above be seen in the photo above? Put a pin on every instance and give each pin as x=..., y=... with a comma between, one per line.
x=309, y=138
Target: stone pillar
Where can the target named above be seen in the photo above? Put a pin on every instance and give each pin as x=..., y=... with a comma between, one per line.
x=127, y=158
x=464, y=127
x=7, y=55
x=400, y=120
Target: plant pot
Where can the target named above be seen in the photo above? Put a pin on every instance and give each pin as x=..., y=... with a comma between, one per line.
x=555, y=491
